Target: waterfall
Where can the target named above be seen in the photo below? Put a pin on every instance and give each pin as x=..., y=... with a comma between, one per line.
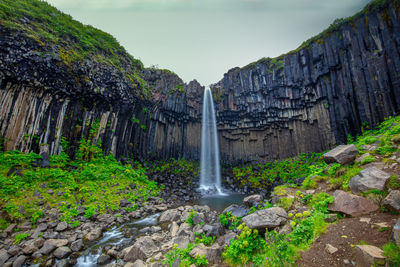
x=210, y=175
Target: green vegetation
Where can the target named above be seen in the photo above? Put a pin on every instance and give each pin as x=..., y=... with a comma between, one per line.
x=20, y=237
x=91, y=182
x=189, y=220
x=184, y=257
x=181, y=167
x=272, y=63
x=285, y=171
x=392, y=254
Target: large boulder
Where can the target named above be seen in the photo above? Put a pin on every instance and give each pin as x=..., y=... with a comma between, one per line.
x=143, y=248
x=351, y=204
x=392, y=201
x=367, y=255
x=169, y=216
x=62, y=252
x=267, y=218
x=252, y=200
x=371, y=178
x=236, y=210
x=343, y=154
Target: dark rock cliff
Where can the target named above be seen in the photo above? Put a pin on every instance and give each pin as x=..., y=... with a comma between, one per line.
x=307, y=100
x=342, y=81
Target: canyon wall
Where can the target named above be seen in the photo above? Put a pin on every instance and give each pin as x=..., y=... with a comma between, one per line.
x=344, y=80
x=340, y=82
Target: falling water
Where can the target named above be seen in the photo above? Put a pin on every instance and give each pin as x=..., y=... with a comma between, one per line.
x=210, y=175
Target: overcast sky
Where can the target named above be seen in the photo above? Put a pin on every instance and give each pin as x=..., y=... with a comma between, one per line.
x=202, y=39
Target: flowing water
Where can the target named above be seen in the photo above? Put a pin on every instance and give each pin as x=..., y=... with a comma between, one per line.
x=210, y=174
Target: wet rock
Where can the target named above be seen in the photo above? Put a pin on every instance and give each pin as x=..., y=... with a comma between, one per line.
x=103, y=259
x=395, y=237
x=266, y=218
x=77, y=245
x=253, y=200
x=19, y=261
x=169, y=216
x=62, y=252
x=343, y=154
x=236, y=210
x=392, y=201
x=351, y=204
x=62, y=226
x=94, y=234
x=371, y=178
x=367, y=255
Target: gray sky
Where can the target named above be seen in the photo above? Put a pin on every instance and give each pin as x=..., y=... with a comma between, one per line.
x=202, y=39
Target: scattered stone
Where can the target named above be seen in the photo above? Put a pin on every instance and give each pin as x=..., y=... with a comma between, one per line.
x=103, y=259
x=351, y=204
x=367, y=255
x=62, y=226
x=395, y=237
x=266, y=218
x=174, y=229
x=94, y=234
x=47, y=248
x=366, y=220
x=13, y=251
x=343, y=154
x=26, y=226
x=62, y=252
x=381, y=225
x=225, y=239
x=10, y=229
x=50, y=192
x=392, y=201
x=137, y=263
x=181, y=241
x=169, y=216
x=215, y=229
x=44, y=153
x=253, y=200
x=236, y=210
x=77, y=245
x=362, y=157
x=19, y=261
x=371, y=178
x=330, y=249
x=57, y=242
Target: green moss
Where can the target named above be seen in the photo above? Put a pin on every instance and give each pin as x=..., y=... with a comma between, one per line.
x=286, y=203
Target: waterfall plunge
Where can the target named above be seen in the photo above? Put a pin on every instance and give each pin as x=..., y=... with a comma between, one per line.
x=210, y=175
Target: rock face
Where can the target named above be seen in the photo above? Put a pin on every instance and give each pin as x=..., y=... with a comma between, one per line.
x=371, y=178
x=267, y=218
x=351, y=204
x=343, y=154
x=306, y=100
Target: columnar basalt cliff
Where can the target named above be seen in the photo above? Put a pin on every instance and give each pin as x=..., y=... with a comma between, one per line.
x=345, y=79
x=335, y=84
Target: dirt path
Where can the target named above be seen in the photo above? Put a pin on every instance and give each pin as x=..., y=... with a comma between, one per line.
x=345, y=233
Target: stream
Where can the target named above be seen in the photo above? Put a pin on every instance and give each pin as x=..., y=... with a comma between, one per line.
x=125, y=233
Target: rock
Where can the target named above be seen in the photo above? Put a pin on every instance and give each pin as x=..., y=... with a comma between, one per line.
x=44, y=153
x=137, y=263
x=392, y=201
x=26, y=226
x=215, y=229
x=62, y=252
x=213, y=253
x=19, y=261
x=142, y=249
x=331, y=218
x=50, y=192
x=330, y=249
x=343, y=154
x=14, y=250
x=252, y=200
x=103, y=259
x=32, y=246
x=10, y=229
x=174, y=229
x=367, y=255
x=236, y=210
x=266, y=218
x=362, y=157
x=47, y=248
x=169, y=216
x=77, y=245
x=94, y=234
x=4, y=256
x=395, y=237
x=371, y=178
x=351, y=204
x=181, y=241
x=225, y=239
x=62, y=226
x=57, y=242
